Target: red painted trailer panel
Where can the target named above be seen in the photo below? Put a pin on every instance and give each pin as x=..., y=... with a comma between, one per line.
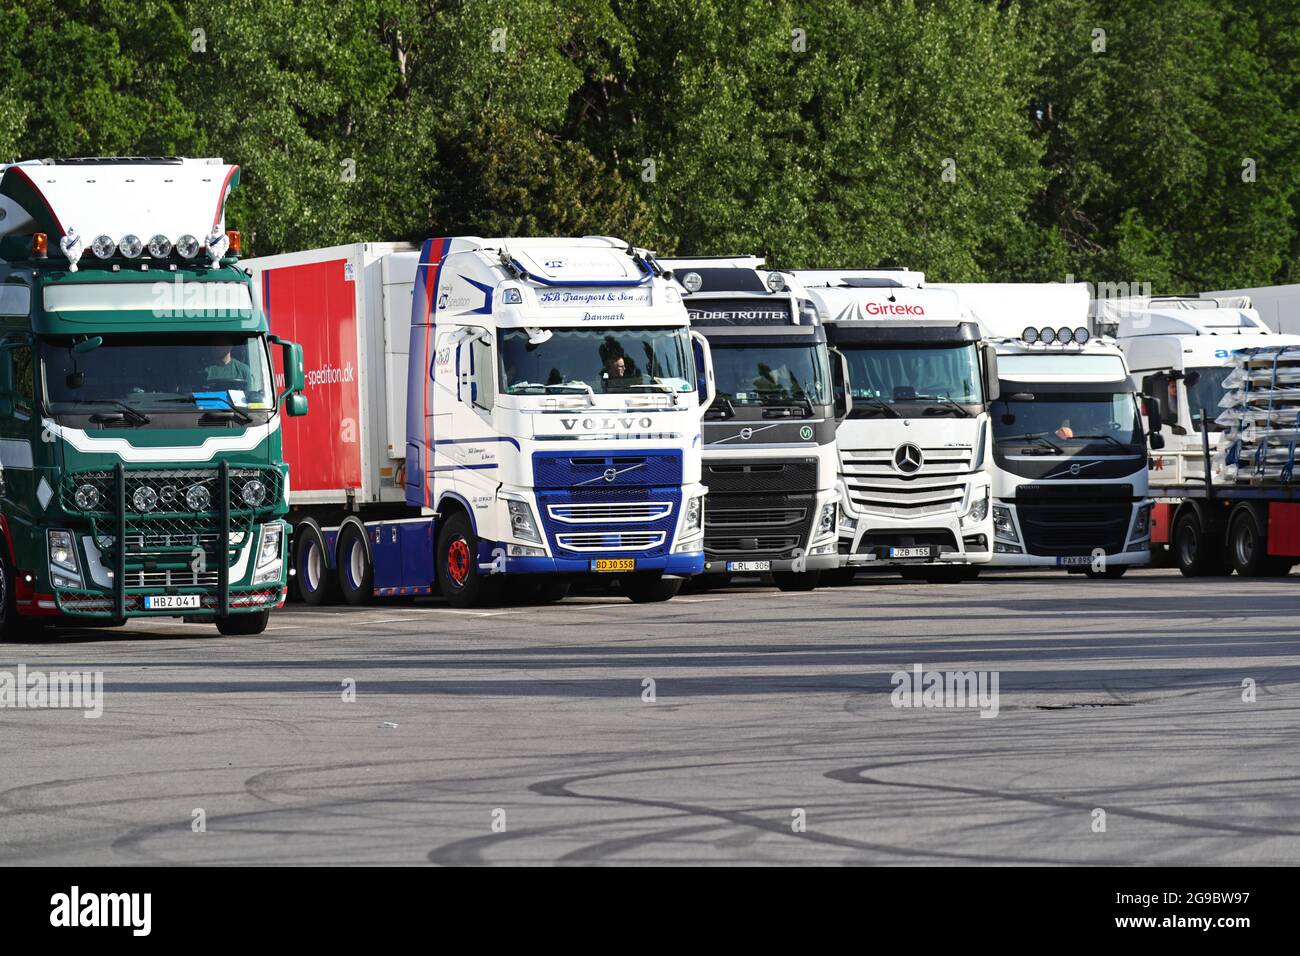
x=1284, y=529
x=315, y=304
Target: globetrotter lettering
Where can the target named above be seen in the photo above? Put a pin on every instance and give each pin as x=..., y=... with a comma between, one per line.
x=606, y=424
x=892, y=308
x=330, y=375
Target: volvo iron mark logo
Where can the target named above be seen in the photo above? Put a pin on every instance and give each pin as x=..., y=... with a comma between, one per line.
x=746, y=434
x=611, y=474
x=908, y=458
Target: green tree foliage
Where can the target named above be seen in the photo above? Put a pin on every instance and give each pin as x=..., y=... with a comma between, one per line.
x=973, y=139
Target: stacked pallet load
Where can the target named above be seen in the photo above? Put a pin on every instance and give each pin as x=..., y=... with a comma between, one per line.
x=1261, y=416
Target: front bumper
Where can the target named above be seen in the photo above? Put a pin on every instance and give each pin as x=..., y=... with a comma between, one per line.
x=1071, y=535
x=212, y=560
x=876, y=541
x=683, y=564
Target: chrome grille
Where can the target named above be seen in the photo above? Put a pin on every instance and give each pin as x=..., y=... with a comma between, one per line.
x=611, y=540
x=874, y=485
x=610, y=511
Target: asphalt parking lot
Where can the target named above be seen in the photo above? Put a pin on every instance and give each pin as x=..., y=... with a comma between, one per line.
x=527, y=735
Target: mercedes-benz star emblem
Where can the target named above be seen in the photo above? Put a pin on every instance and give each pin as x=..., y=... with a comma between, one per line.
x=908, y=459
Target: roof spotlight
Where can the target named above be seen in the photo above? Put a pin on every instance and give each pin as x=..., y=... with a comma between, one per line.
x=1081, y=335
x=187, y=246
x=1030, y=335
x=1047, y=335
x=160, y=247
x=103, y=246
x=1064, y=335
x=775, y=282
x=692, y=282
x=130, y=245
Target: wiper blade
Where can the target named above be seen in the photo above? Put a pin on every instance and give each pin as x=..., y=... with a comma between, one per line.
x=721, y=408
x=134, y=414
x=1043, y=439
x=229, y=409
x=1110, y=438
x=944, y=400
x=880, y=404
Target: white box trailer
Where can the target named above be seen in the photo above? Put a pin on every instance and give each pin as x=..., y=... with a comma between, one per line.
x=1277, y=305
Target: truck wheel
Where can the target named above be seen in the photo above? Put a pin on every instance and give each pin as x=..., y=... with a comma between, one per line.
x=1198, y=552
x=791, y=581
x=839, y=577
x=243, y=624
x=316, y=585
x=356, y=573
x=13, y=626
x=1112, y=573
x=1248, y=547
x=459, y=577
x=649, y=587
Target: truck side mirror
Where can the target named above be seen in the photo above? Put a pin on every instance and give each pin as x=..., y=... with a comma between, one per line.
x=1156, y=440
x=840, y=386
x=992, y=387
x=295, y=405
x=295, y=376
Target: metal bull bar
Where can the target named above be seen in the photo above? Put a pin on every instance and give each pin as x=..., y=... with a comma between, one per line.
x=222, y=546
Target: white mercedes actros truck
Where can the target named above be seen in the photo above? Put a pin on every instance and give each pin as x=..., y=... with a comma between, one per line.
x=1069, y=460
x=915, y=442
x=769, y=436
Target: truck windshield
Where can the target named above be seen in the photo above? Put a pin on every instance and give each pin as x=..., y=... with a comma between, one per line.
x=158, y=373
x=1205, y=394
x=937, y=376
x=771, y=374
x=608, y=360
x=1092, y=423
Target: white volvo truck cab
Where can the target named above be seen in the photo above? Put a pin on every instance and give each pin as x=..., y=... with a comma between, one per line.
x=915, y=445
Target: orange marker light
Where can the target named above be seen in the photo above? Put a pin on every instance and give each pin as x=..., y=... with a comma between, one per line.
x=233, y=236
x=40, y=245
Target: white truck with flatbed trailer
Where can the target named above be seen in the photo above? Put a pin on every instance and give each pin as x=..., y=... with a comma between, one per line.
x=769, y=436
x=1182, y=353
x=915, y=442
x=492, y=415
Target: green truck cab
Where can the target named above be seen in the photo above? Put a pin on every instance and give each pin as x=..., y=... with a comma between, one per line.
x=141, y=472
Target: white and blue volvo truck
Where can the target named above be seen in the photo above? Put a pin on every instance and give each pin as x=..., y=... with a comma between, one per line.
x=769, y=436
x=499, y=418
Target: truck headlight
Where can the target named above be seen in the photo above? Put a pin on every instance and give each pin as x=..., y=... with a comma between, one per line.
x=694, y=514
x=522, y=524
x=62, y=552
x=826, y=520
x=268, y=554
x=1003, y=525
x=1142, y=522
x=979, y=510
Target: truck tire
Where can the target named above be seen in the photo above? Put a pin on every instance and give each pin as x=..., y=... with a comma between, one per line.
x=1197, y=552
x=13, y=626
x=236, y=625
x=792, y=581
x=316, y=585
x=356, y=572
x=1248, y=546
x=459, y=578
x=649, y=587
